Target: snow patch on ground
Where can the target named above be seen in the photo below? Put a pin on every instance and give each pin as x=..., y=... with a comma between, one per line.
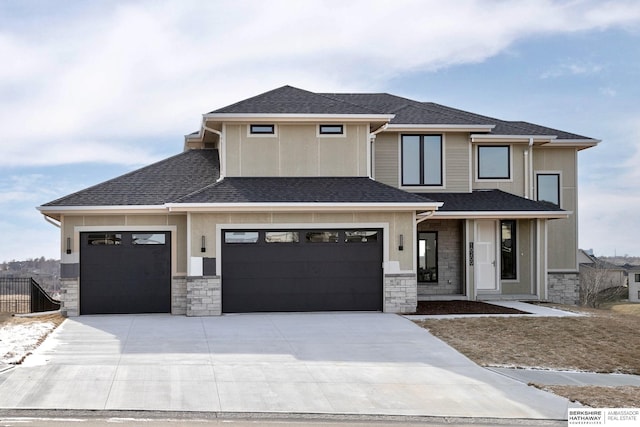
x=16, y=341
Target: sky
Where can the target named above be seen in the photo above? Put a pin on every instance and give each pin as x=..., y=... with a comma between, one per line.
x=92, y=90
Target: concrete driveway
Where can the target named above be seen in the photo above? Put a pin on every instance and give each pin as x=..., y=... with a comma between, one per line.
x=338, y=363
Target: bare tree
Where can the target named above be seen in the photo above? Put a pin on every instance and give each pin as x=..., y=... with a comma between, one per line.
x=595, y=280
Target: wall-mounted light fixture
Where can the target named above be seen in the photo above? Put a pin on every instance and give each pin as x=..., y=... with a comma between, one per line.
x=401, y=246
x=68, y=245
x=203, y=247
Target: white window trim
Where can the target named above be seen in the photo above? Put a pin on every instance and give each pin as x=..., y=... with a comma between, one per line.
x=410, y=188
x=549, y=172
x=262, y=135
x=476, y=175
x=331, y=135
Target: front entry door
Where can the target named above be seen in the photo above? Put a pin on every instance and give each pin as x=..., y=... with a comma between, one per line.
x=486, y=259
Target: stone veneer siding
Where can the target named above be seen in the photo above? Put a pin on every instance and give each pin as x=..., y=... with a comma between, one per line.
x=564, y=288
x=70, y=297
x=449, y=257
x=179, y=295
x=400, y=293
x=204, y=296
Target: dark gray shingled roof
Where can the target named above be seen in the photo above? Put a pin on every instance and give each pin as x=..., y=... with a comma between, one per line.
x=408, y=111
x=301, y=190
x=156, y=184
x=291, y=100
x=488, y=201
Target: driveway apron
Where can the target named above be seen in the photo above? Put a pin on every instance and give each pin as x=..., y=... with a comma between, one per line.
x=338, y=363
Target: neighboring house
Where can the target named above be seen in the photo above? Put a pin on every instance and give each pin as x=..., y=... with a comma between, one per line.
x=301, y=201
x=634, y=284
x=597, y=275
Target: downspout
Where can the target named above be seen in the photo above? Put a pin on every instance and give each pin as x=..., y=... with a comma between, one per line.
x=223, y=168
x=425, y=217
x=51, y=221
x=530, y=176
x=371, y=150
x=528, y=191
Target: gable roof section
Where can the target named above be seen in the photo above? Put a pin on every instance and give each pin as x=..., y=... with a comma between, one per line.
x=291, y=100
x=493, y=203
x=156, y=184
x=301, y=190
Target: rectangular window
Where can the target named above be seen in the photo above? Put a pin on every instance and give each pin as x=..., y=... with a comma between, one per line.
x=548, y=185
x=422, y=160
x=331, y=129
x=281, y=237
x=241, y=237
x=494, y=162
x=148, y=238
x=637, y=278
x=104, y=239
x=361, y=236
x=508, y=252
x=322, y=236
x=262, y=129
x=428, y=257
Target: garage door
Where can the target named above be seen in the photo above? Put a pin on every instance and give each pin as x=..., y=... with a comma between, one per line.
x=125, y=272
x=301, y=270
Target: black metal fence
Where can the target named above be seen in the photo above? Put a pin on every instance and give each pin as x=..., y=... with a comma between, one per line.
x=24, y=295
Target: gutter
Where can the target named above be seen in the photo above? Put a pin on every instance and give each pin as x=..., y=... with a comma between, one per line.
x=51, y=221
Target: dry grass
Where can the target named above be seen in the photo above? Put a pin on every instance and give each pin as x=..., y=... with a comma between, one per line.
x=602, y=341
x=598, y=397
x=8, y=318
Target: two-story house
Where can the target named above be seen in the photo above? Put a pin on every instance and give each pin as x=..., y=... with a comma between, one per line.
x=301, y=201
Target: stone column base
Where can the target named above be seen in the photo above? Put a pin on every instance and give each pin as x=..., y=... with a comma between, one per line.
x=204, y=296
x=400, y=293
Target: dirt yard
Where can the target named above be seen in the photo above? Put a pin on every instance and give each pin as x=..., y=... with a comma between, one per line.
x=602, y=341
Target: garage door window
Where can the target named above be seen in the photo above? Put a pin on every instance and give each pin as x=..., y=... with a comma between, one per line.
x=241, y=237
x=361, y=236
x=148, y=239
x=103, y=239
x=322, y=236
x=282, y=237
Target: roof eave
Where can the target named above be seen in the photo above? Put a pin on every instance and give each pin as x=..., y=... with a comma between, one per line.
x=511, y=138
x=294, y=117
x=440, y=127
x=301, y=207
x=502, y=214
x=581, y=144
x=93, y=210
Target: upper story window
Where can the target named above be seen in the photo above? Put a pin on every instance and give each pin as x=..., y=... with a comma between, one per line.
x=330, y=129
x=422, y=160
x=494, y=162
x=548, y=187
x=262, y=129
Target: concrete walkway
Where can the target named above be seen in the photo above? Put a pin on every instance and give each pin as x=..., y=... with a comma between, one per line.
x=547, y=377
x=531, y=310
x=318, y=363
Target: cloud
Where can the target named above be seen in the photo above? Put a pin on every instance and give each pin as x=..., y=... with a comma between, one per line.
x=82, y=89
x=572, y=69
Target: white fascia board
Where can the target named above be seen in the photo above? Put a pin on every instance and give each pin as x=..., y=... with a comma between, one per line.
x=440, y=127
x=300, y=207
x=501, y=138
x=102, y=209
x=580, y=143
x=502, y=214
x=295, y=117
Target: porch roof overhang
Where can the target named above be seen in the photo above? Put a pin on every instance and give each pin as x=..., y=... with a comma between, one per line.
x=493, y=204
x=302, y=207
x=502, y=215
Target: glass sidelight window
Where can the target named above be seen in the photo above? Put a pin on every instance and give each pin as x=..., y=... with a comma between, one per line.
x=428, y=256
x=509, y=256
